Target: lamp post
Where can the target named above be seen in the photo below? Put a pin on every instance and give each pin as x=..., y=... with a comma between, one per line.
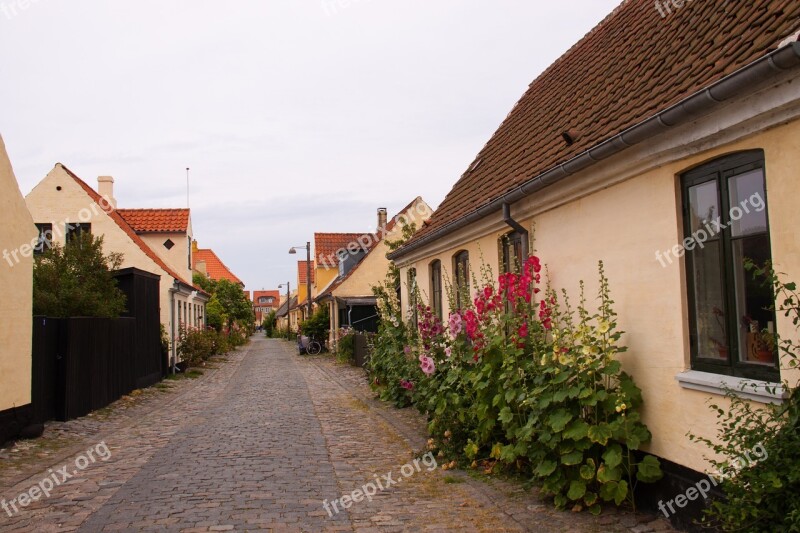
x=293, y=250
x=288, y=298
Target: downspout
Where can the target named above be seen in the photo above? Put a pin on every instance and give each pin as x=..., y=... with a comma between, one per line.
x=174, y=354
x=518, y=228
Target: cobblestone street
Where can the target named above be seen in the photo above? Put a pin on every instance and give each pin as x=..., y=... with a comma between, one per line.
x=258, y=443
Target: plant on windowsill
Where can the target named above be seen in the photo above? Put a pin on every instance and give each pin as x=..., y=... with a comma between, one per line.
x=764, y=346
x=762, y=495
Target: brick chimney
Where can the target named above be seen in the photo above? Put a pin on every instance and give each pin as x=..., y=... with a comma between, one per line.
x=105, y=186
x=382, y=217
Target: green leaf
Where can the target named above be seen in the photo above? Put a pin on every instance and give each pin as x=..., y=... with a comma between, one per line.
x=613, y=455
x=649, y=470
x=600, y=433
x=572, y=458
x=471, y=450
x=561, y=378
x=577, y=430
x=596, y=509
x=621, y=492
x=505, y=415
x=588, y=471
x=608, y=490
x=607, y=474
x=559, y=420
x=545, y=468
x=576, y=490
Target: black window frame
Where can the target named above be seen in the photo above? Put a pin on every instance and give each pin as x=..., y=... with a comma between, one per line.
x=436, y=288
x=75, y=231
x=512, y=252
x=43, y=229
x=461, y=269
x=412, y=298
x=721, y=170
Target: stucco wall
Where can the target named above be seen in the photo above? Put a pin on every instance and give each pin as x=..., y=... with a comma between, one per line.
x=48, y=204
x=177, y=257
x=624, y=225
x=16, y=286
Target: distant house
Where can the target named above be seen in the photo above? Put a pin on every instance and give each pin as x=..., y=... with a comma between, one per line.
x=669, y=149
x=207, y=263
x=287, y=321
x=264, y=303
x=362, y=264
x=63, y=205
x=298, y=311
x=18, y=237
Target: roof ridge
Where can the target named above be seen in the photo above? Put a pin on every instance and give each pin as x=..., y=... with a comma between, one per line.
x=124, y=226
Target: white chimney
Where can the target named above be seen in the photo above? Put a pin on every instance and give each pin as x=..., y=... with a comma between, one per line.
x=382, y=216
x=105, y=186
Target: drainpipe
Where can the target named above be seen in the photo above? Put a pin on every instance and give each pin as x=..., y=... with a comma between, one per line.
x=518, y=228
x=173, y=355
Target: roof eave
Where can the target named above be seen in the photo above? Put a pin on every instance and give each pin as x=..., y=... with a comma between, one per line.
x=694, y=106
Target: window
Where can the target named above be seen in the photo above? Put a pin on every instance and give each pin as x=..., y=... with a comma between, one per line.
x=168, y=244
x=412, y=297
x=461, y=268
x=436, y=288
x=725, y=222
x=77, y=231
x=45, y=238
x=262, y=300
x=511, y=245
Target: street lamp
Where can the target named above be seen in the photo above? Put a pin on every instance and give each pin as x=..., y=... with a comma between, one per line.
x=307, y=247
x=288, y=298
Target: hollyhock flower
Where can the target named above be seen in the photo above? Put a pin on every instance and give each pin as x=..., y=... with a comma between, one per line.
x=427, y=365
x=408, y=385
x=448, y=352
x=523, y=331
x=456, y=324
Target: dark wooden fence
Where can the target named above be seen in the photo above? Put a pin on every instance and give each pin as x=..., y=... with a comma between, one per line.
x=361, y=351
x=84, y=364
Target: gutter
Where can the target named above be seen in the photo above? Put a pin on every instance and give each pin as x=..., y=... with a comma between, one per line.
x=508, y=219
x=174, y=354
x=695, y=106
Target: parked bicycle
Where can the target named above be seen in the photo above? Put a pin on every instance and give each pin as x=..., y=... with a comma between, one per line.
x=307, y=345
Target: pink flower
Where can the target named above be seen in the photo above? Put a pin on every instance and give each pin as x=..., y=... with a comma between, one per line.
x=456, y=324
x=427, y=365
x=408, y=385
x=448, y=352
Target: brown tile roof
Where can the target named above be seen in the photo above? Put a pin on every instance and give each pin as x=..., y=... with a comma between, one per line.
x=114, y=215
x=302, y=270
x=215, y=268
x=156, y=220
x=633, y=65
x=327, y=244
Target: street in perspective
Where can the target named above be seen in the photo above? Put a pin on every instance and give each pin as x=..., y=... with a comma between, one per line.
x=355, y=265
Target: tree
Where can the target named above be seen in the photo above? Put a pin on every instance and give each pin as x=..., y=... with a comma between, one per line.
x=77, y=280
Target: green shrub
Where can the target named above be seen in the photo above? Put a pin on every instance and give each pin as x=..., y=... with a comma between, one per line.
x=318, y=326
x=346, y=347
x=535, y=389
x=762, y=496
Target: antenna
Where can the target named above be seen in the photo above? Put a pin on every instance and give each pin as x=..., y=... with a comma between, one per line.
x=187, y=187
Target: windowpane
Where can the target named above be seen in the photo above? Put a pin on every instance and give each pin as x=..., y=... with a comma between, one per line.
x=746, y=193
x=753, y=300
x=710, y=328
x=704, y=206
x=436, y=288
x=45, y=238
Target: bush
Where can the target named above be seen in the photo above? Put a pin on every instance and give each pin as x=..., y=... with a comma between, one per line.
x=198, y=345
x=762, y=495
x=318, y=326
x=346, y=347
x=535, y=389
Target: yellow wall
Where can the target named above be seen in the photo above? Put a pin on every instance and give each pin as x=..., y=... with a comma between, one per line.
x=47, y=204
x=624, y=225
x=16, y=287
x=178, y=257
x=322, y=278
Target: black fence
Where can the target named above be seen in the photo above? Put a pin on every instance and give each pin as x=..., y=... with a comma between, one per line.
x=361, y=351
x=84, y=364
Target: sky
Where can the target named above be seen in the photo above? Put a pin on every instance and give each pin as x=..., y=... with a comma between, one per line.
x=294, y=116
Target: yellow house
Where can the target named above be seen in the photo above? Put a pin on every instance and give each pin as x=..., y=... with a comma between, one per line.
x=362, y=264
x=62, y=204
x=668, y=149
x=17, y=239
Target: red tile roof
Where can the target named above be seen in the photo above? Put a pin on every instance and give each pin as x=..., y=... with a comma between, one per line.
x=275, y=295
x=156, y=220
x=215, y=268
x=302, y=270
x=633, y=65
x=114, y=215
x=327, y=244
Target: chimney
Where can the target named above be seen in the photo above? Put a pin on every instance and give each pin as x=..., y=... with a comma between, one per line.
x=105, y=186
x=381, y=218
x=195, y=248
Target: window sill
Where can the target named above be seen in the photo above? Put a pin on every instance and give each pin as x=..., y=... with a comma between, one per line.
x=751, y=389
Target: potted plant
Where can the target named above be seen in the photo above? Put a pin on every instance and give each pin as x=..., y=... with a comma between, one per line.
x=764, y=346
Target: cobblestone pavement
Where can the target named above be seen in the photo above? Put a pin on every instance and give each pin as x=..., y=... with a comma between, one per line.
x=258, y=444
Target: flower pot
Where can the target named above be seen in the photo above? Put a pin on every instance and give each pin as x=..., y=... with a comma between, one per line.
x=764, y=356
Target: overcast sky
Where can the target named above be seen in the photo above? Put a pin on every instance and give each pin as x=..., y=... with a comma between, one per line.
x=295, y=116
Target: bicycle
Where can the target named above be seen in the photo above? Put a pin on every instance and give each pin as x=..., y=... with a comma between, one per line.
x=308, y=345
